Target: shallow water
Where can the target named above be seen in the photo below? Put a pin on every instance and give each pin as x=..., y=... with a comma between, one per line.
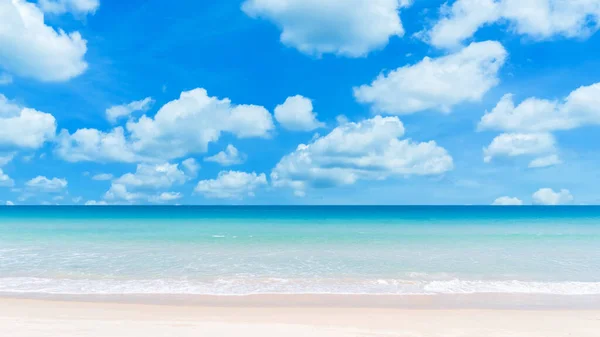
x=337, y=250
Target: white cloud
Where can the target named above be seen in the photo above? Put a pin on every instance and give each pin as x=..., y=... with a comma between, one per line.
x=30, y=48
x=44, y=184
x=297, y=114
x=125, y=110
x=5, y=79
x=190, y=166
x=518, y=144
x=95, y=203
x=5, y=180
x=438, y=83
x=536, y=19
x=6, y=158
x=350, y=28
x=119, y=192
x=581, y=107
x=24, y=127
x=546, y=161
x=153, y=176
x=368, y=150
x=71, y=6
x=102, y=176
x=10, y=203
x=95, y=145
x=181, y=127
x=508, y=201
x=537, y=116
x=231, y=185
x=547, y=196
x=461, y=20
x=231, y=156
x=166, y=197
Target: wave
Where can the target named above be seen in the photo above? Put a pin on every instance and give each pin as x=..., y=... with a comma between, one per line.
x=249, y=286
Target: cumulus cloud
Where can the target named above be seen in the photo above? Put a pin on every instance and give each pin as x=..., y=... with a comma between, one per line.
x=518, y=144
x=190, y=166
x=153, y=176
x=5, y=180
x=24, y=127
x=547, y=196
x=133, y=187
x=10, y=203
x=546, y=161
x=581, y=107
x=181, y=127
x=541, y=116
x=43, y=184
x=367, y=150
x=508, y=201
x=231, y=156
x=96, y=145
x=231, y=185
x=69, y=6
x=350, y=28
x=119, y=193
x=30, y=48
x=297, y=114
x=438, y=83
x=125, y=110
x=166, y=197
x=536, y=19
x=102, y=176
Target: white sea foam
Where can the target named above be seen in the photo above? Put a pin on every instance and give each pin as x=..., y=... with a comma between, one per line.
x=246, y=286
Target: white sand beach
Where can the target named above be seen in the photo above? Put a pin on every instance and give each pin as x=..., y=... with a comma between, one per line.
x=51, y=318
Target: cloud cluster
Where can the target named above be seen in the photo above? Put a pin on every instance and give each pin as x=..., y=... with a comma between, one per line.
x=438, y=83
x=543, y=196
x=132, y=187
x=367, y=150
x=536, y=19
x=527, y=126
x=231, y=185
x=30, y=48
x=351, y=28
x=181, y=127
x=24, y=127
x=43, y=184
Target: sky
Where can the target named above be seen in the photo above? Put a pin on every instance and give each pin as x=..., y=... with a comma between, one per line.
x=466, y=102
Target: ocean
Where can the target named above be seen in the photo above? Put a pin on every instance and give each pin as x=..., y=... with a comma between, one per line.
x=242, y=250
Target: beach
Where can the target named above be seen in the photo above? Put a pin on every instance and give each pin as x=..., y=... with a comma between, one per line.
x=300, y=271
x=41, y=318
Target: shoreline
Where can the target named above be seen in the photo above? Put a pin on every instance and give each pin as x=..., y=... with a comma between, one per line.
x=44, y=318
x=480, y=301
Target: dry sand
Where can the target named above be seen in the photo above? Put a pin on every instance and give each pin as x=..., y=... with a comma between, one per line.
x=44, y=318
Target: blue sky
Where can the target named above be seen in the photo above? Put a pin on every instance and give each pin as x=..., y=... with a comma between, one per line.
x=310, y=102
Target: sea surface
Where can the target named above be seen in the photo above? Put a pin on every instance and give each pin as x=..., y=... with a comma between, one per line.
x=275, y=249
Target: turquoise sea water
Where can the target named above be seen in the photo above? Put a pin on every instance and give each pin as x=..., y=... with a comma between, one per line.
x=248, y=250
